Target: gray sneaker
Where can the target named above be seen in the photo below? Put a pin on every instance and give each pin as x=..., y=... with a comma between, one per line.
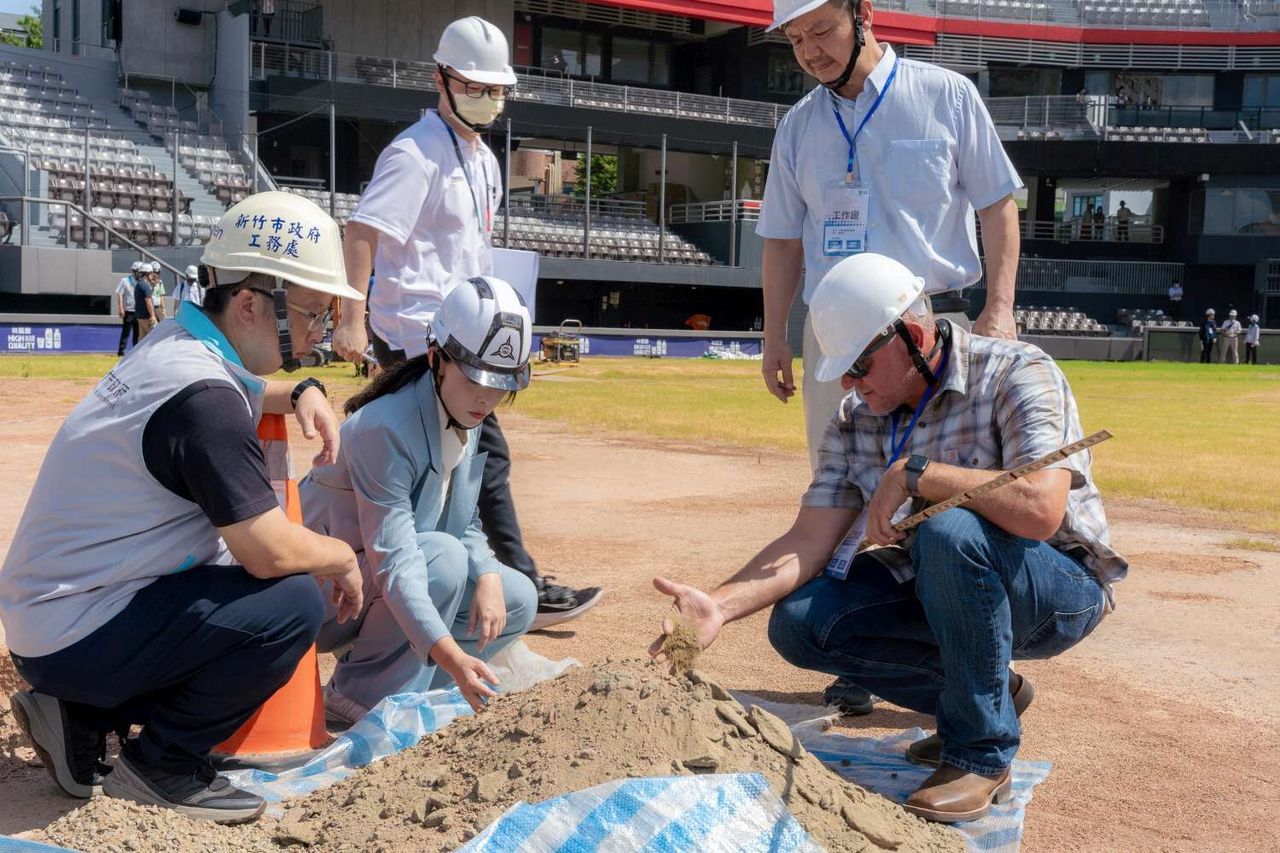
x=71, y=753
x=202, y=794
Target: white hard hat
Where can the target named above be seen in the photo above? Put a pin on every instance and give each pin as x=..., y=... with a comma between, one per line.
x=192, y=272
x=785, y=11
x=484, y=327
x=1231, y=313
x=281, y=235
x=1208, y=311
x=1253, y=318
x=856, y=301
x=136, y=266
x=155, y=266
x=477, y=50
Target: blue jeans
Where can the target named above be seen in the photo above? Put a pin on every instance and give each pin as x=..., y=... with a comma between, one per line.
x=941, y=643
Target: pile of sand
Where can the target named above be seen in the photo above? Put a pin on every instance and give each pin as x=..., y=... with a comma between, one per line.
x=590, y=725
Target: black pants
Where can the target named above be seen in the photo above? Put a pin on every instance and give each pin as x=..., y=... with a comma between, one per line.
x=1206, y=352
x=497, y=506
x=190, y=659
x=1250, y=353
x=128, y=326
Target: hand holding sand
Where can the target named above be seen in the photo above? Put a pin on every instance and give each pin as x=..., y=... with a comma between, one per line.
x=697, y=624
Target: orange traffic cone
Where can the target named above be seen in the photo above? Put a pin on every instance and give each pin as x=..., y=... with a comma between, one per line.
x=290, y=725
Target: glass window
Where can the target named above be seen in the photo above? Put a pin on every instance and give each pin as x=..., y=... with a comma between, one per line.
x=630, y=60
x=1261, y=90
x=1187, y=90
x=661, y=73
x=570, y=52
x=785, y=76
x=1238, y=210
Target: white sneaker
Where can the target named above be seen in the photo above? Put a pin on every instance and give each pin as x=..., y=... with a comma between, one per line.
x=340, y=710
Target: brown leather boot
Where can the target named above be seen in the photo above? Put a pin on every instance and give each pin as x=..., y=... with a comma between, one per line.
x=927, y=752
x=952, y=795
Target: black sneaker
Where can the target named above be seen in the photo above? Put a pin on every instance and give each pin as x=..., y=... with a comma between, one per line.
x=71, y=752
x=848, y=698
x=558, y=603
x=202, y=794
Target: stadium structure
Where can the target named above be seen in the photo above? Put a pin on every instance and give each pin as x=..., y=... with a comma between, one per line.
x=635, y=150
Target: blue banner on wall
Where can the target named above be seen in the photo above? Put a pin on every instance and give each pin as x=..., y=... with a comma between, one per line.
x=58, y=338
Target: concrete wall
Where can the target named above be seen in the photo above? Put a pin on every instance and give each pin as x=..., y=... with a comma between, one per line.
x=81, y=272
x=229, y=95
x=154, y=44
x=404, y=29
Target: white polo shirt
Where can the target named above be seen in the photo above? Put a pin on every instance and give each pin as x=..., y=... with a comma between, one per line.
x=929, y=156
x=435, y=218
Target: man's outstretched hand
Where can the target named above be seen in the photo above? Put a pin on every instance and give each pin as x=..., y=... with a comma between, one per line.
x=693, y=606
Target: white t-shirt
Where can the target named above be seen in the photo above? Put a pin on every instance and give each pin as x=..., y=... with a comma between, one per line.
x=929, y=156
x=435, y=219
x=125, y=288
x=188, y=291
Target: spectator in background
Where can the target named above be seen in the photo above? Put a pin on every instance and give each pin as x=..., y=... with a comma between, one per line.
x=1208, y=336
x=1086, y=224
x=144, y=302
x=1175, y=301
x=6, y=227
x=1252, y=337
x=1122, y=223
x=124, y=307
x=1231, y=339
x=1099, y=224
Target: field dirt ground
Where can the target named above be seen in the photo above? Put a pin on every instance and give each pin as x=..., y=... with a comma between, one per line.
x=1163, y=727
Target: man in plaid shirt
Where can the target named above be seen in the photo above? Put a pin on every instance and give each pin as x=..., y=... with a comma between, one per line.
x=930, y=622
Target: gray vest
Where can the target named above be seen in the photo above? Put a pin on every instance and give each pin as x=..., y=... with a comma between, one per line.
x=98, y=527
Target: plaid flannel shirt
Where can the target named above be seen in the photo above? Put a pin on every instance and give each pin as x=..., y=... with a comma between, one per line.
x=1000, y=404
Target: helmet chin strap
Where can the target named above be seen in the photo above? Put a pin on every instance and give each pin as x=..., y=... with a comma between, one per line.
x=437, y=367
x=859, y=42
x=283, y=336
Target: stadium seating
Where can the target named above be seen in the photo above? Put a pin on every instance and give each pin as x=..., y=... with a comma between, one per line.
x=1035, y=320
x=1146, y=13
x=1134, y=320
x=1157, y=134
x=618, y=238
x=1018, y=9
x=344, y=204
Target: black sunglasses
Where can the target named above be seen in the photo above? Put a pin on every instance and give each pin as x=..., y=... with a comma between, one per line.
x=860, y=368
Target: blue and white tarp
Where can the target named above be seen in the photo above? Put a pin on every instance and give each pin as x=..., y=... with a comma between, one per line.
x=724, y=813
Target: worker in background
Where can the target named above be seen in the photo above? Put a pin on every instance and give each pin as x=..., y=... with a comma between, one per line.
x=157, y=291
x=1208, y=336
x=1252, y=337
x=426, y=217
x=144, y=301
x=189, y=289
x=186, y=600
x=403, y=494
x=1230, y=332
x=124, y=307
x=930, y=623
x=887, y=155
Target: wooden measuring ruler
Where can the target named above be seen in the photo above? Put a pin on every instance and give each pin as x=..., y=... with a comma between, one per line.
x=1004, y=479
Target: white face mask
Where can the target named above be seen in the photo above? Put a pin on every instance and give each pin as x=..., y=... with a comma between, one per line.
x=479, y=111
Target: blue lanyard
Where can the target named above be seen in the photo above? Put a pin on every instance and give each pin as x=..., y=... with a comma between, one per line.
x=481, y=223
x=895, y=446
x=852, y=140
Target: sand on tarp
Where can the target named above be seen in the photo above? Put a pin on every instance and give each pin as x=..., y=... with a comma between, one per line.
x=588, y=726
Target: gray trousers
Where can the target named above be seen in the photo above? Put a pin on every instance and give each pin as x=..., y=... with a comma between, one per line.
x=382, y=662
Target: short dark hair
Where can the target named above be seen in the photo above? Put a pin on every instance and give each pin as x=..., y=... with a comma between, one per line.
x=218, y=299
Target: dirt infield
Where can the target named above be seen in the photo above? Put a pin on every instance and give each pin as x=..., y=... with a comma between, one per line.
x=1162, y=727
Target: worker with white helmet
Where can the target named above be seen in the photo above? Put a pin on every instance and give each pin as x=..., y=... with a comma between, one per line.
x=1208, y=335
x=145, y=301
x=125, y=307
x=1231, y=331
x=189, y=288
x=403, y=494
x=1252, y=337
x=183, y=602
x=158, y=291
x=425, y=223
x=930, y=623
x=888, y=155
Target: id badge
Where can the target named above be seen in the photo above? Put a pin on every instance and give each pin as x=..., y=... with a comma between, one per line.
x=893, y=557
x=844, y=219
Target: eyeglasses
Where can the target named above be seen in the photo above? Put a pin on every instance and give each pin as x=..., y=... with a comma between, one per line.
x=860, y=368
x=316, y=321
x=478, y=90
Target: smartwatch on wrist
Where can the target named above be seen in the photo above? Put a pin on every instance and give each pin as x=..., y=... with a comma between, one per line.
x=309, y=382
x=914, y=468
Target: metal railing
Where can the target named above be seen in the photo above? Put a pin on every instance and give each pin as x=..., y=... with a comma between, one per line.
x=574, y=206
x=1216, y=14
x=715, y=211
x=87, y=217
x=291, y=21
x=1059, y=275
x=1084, y=113
x=535, y=85
x=1080, y=231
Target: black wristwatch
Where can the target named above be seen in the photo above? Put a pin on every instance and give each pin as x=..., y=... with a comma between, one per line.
x=914, y=468
x=309, y=382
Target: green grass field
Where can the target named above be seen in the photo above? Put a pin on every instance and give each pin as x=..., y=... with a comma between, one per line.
x=1197, y=436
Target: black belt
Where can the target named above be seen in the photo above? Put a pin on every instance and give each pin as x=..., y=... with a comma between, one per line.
x=949, y=302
